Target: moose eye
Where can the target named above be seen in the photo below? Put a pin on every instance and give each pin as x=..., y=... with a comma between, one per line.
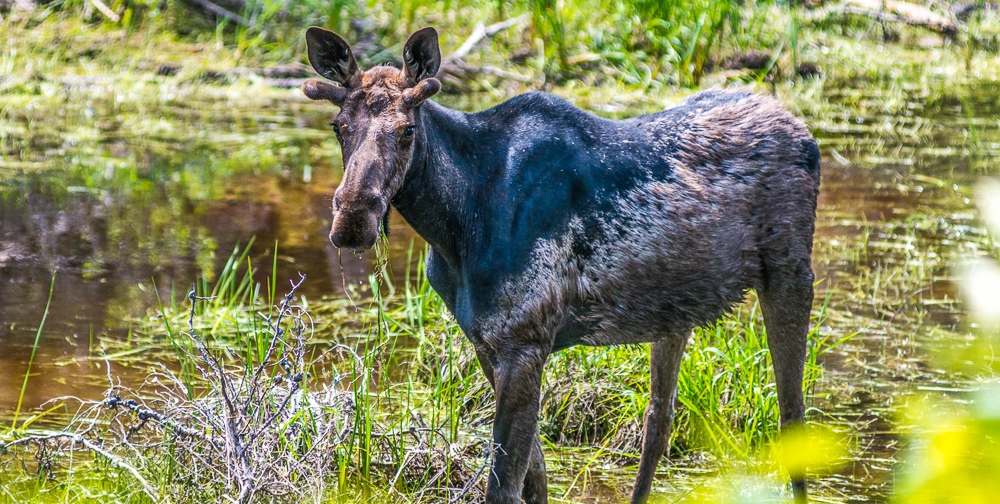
x=336, y=129
x=408, y=132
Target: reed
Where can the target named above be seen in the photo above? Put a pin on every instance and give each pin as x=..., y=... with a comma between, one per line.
x=31, y=360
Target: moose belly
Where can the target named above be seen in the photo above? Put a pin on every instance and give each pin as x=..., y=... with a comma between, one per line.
x=647, y=312
x=654, y=278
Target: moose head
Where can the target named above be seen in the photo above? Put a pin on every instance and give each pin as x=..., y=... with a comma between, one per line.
x=376, y=126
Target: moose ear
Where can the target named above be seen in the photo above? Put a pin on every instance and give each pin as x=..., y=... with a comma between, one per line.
x=331, y=55
x=421, y=55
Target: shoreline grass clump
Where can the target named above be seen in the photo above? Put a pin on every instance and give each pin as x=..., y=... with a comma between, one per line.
x=727, y=402
x=219, y=422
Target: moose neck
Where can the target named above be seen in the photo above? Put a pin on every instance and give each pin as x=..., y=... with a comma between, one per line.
x=438, y=190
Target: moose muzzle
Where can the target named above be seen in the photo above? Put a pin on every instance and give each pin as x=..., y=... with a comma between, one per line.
x=357, y=227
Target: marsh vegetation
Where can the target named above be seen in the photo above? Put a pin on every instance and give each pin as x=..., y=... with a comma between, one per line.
x=136, y=155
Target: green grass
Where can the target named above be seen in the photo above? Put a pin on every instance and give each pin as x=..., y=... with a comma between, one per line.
x=726, y=389
x=420, y=411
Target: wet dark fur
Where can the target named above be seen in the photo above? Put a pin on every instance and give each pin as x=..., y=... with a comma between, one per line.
x=550, y=227
x=636, y=225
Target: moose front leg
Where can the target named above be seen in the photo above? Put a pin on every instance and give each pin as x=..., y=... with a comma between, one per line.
x=536, y=484
x=517, y=378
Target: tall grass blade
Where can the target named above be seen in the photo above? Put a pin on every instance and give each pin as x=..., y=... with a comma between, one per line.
x=34, y=348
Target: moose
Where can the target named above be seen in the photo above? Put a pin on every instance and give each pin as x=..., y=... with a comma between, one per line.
x=550, y=227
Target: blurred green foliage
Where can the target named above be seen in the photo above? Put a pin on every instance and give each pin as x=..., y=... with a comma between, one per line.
x=954, y=454
x=955, y=457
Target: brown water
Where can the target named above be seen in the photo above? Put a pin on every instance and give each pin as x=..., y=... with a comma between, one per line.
x=126, y=203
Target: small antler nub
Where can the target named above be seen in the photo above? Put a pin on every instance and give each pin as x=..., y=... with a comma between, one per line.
x=417, y=94
x=316, y=89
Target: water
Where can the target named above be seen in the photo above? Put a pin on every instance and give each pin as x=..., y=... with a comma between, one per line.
x=126, y=196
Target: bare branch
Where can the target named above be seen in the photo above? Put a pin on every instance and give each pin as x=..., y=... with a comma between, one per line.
x=480, y=32
x=80, y=440
x=105, y=10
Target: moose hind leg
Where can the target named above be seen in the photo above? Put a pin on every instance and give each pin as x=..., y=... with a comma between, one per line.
x=665, y=363
x=786, y=302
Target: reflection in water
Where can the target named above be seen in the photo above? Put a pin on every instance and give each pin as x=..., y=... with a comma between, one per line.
x=132, y=204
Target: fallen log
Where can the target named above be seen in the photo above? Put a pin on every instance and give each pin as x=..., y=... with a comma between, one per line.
x=292, y=75
x=904, y=12
x=110, y=14
x=492, y=70
x=456, y=70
